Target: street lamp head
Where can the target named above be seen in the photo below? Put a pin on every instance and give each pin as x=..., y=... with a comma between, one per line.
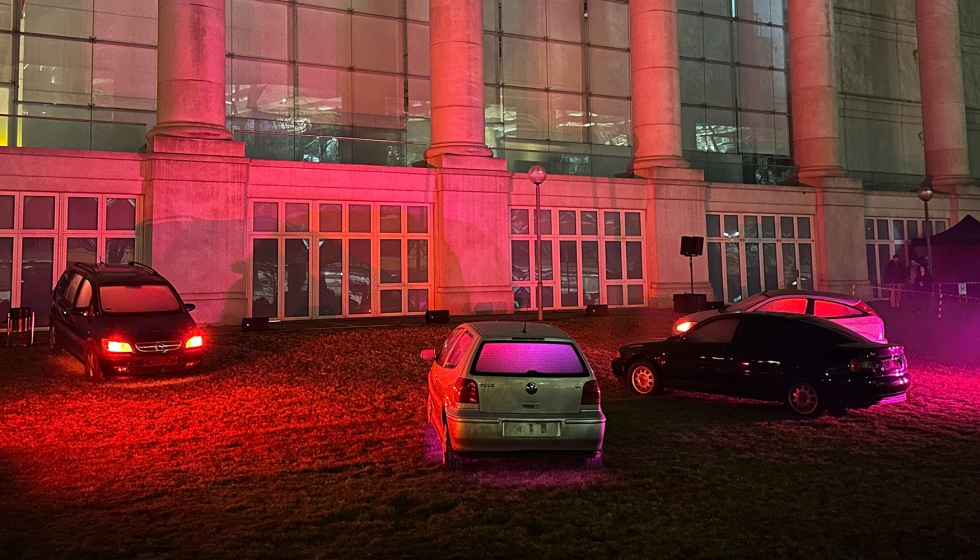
x=537, y=174
x=925, y=193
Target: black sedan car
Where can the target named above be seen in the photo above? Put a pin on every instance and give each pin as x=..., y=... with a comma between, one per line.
x=123, y=320
x=808, y=363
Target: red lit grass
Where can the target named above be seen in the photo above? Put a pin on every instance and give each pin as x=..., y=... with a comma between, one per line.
x=314, y=444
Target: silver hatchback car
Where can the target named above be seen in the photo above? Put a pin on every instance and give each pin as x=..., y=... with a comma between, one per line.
x=500, y=387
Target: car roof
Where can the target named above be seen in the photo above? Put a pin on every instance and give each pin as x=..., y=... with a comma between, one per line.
x=812, y=293
x=122, y=273
x=517, y=329
x=800, y=318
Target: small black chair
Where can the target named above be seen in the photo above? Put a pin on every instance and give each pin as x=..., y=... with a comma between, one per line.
x=20, y=324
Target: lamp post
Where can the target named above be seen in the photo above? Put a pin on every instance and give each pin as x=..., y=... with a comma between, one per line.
x=537, y=175
x=925, y=195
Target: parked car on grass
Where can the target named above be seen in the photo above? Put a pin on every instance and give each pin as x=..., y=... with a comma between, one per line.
x=123, y=320
x=808, y=363
x=847, y=311
x=501, y=387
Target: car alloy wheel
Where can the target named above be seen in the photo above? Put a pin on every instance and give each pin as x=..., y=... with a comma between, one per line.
x=643, y=379
x=804, y=399
x=92, y=370
x=451, y=461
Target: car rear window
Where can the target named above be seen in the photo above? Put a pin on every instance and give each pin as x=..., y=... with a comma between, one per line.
x=523, y=358
x=150, y=298
x=832, y=309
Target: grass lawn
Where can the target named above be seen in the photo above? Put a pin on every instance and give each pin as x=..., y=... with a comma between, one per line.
x=314, y=444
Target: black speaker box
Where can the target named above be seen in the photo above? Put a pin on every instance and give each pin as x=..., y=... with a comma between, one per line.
x=690, y=303
x=596, y=310
x=437, y=316
x=692, y=246
x=255, y=324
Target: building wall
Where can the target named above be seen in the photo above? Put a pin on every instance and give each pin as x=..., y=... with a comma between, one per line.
x=970, y=35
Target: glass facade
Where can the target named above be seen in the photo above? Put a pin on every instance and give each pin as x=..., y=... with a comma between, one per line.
x=342, y=81
x=734, y=89
x=77, y=74
x=751, y=253
x=365, y=259
x=557, y=84
x=885, y=237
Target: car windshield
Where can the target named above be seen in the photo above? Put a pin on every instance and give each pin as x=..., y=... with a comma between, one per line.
x=529, y=358
x=746, y=304
x=147, y=298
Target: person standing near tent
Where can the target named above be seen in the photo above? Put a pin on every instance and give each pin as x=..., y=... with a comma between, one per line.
x=922, y=288
x=894, y=277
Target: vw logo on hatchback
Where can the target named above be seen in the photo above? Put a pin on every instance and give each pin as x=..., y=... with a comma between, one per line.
x=531, y=388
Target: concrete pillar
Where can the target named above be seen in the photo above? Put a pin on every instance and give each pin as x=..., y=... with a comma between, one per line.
x=813, y=86
x=937, y=25
x=456, y=51
x=656, y=85
x=190, y=75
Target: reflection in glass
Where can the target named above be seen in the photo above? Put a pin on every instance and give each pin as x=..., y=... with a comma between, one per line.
x=82, y=250
x=520, y=261
x=297, y=296
x=753, y=278
x=769, y=227
x=589, y=225
x=518, y=221
x=391, y=221
x=522, y=297
x=83, y=213
x=803, y=228
x=120, y=214
x=36, y=276
x=614, y=260
x=265, y=277
x=613, y=226
x=548, y=296
x=786, y=227
x=806, y=266
x=714, y=271
x=545, y=221
x=568, y=263
x=590, y=271
x=6, y=213
x=39, y=213
x=418, y=301
x=391, y=301
x=791, y=273
x=359, y=218
x=418, y=220
x=634, y=295
x=614, y=295
x=769, y=266
x=913, y=226
x=566, y=222
x=633, y=224
x=547, y=266
x=731, y=226
x=119, y=251
x=391, y=261
x=359, y=276
x=713, y=224
x=265, y=217
x=869, y=229
x=634, y=260
x=872, y=268
x=751, y=227
x=331, y=217
x=331, y=277
x=418, y=260
x=6, y=274
x=733, y=266
x=882, y=229
x=297, y=217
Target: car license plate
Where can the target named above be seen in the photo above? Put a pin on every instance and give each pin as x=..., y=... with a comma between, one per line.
x=532, y=429
x=158, y=362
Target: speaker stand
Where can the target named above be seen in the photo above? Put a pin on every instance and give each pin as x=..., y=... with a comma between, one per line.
x=690, y=258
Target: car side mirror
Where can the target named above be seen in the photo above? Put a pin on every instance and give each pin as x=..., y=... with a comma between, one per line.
x=428, y=354
x=190, y=306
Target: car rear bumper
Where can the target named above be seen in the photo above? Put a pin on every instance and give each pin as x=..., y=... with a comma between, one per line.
x=129, y=365
x=860, y=393
x=473, y=431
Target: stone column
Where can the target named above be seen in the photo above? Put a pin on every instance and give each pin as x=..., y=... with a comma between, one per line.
x=190, y=75
x=813, y=86
x=656, y=85
x=937, y=25
x=456, y=51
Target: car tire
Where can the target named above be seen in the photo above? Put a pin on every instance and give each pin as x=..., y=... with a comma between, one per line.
x=450, y=459
x=594, y=463
x=54, y=345
x=644, y=379
x=93, y=372
x=804, y=399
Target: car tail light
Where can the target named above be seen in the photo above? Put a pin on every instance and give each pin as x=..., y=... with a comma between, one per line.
x=195, y=341
x=684, y=327
x=590, y=393
x=116, y=346
x=864, y=365
x=464, y=392
x=866, y=308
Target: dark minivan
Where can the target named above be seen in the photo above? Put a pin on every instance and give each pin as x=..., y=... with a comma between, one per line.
x=808, y=363
x=123, y=320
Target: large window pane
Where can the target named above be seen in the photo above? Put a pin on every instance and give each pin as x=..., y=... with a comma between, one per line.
x=791, y=272
x=124, y=76
x=297, y=289
x=714, y=271
x=547, y=270
x=370, y=53
x=519, y=221
x=83, y=213
x=612, y=223
x=38, y=212
x=769, y=267
x=634, y=260
x=614, y=260
x=82, y=250
x=331, y=217
x=391, y=219
x=418, y=260
x=120, y=214
x=590, y=272
x=418, y=301
x=391, y=261
x=753, y=278
x=297, y=217
x=126, y=21
x=258, y=29
x=121, y=250
x=733, y=271
x=520, y=261
x=418, y=220
x=324, y=37
x=57, y=71
x=610, y=72
x=6, y=212
x=6, y=274
x=37, y=276
x=359, y=277
x=391, y=301
x=331, y=277
x=359, y=218
x=265, y=278
x=568, y=261
x=265, y=216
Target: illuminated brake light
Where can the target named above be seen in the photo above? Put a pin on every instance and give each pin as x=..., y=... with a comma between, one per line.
x=194, y=342
x=684, y=327
x=866, y=308
x=590, y=393
x=863, y=365
x=116, y=346
x=464, y=392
